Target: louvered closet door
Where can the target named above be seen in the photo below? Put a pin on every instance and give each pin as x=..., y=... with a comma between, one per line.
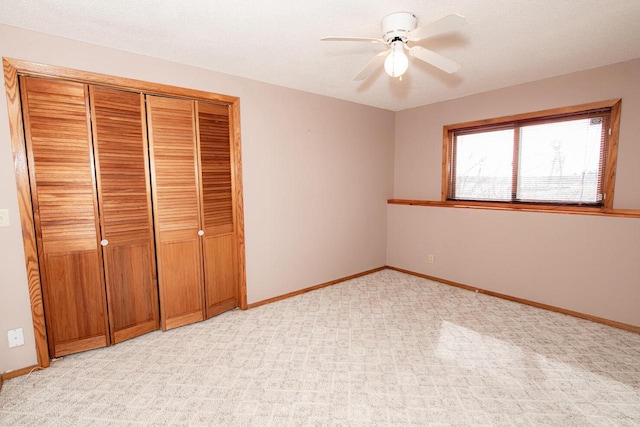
x=220, y=255
x=175, y=185
x=57, y=133
x=121, y=159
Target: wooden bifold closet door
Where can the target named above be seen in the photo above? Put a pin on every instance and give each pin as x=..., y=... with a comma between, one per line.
x=130, y=200
x=58, y=138
x=124, y=194
x=92, y=212
x=176, y=205
x=220, y=251
x=194, y=209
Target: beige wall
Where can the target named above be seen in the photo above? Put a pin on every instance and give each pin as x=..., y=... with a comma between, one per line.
x=586, y=264
x=317, y=173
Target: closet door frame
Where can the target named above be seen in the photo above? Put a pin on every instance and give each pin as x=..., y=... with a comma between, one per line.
x=13, y=68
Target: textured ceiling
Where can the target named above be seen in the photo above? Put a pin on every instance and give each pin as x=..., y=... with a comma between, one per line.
x=506, y=42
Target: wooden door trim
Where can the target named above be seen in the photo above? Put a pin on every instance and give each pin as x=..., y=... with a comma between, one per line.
x=238, y=206
x=33, y=196
x=14, y=107
x=40, y=70
x=12, y=68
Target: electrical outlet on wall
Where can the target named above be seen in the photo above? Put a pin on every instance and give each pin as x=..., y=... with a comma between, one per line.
x=15, y=337
x=432, y=259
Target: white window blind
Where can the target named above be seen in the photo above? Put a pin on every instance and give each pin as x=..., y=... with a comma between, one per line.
x=561, y=162
x=553, y=160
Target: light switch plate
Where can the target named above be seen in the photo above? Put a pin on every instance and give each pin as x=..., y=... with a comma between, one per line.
x=4, y=217
x=15, y=337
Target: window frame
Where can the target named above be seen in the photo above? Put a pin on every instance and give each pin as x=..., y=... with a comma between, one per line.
x=555, y=114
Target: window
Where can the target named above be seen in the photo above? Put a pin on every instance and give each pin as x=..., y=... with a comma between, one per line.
x=563, y=157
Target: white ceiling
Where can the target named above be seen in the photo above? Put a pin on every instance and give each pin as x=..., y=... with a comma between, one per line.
x=506, y=42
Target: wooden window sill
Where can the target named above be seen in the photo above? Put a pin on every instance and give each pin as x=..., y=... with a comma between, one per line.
x=571, y=210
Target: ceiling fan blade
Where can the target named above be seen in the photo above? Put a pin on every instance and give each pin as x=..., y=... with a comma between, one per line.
x=447, y=24
x=368, y=69
x=435, y=59
x=351, y=39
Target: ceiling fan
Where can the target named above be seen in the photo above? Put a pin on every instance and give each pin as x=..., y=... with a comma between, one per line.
x=399, y=29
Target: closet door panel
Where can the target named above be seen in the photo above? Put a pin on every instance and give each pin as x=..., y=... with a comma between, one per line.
x=57, y=135
x=134, y=302
x=67, y=273
x=220, y=264
x=221, y=286
x=176, y=210
x=122, y=168
x=183, y=290
x=215, y=157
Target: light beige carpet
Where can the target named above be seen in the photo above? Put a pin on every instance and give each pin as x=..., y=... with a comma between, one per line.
x=384, y=349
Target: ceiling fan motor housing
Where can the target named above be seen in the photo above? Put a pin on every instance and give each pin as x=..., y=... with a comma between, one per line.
x=398, y=25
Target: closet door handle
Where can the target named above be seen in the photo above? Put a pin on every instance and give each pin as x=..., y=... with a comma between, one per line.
x=200, y=232
x=104, y=242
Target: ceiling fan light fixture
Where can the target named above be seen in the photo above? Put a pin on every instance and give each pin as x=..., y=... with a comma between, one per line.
x=397, y=62
x=397, y=30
